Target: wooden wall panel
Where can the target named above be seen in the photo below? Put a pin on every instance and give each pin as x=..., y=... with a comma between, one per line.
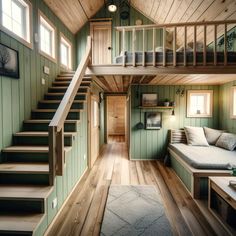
x=151, y=144
x=226, y=122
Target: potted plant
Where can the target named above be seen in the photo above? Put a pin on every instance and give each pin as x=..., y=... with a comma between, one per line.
x=166, y=102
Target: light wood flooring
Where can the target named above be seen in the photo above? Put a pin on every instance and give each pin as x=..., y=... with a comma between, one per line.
x=82, y=215
x=116, y=139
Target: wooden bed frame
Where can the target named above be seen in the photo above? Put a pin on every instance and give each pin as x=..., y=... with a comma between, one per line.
x=198, y=185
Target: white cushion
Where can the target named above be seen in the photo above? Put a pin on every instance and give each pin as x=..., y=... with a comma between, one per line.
x=212, y=135
x=227, y=141
x=195, y=136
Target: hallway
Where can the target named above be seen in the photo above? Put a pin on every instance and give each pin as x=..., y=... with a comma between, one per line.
x=83, y=212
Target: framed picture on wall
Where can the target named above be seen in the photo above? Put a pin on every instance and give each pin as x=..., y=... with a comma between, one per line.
x=149, y=99
x=153, y=120
x=9, y=62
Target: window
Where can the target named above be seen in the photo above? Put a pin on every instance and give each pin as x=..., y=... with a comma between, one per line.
x=65, y=52
x=15, y=18
x=47, y=37
x=199, y=103
x=233, y=106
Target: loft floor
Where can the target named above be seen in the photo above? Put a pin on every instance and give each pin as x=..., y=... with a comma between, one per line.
x=82, y=215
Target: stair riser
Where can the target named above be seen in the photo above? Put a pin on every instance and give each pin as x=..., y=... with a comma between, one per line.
x=25, y=157
x=21, y=206
x=50, y=115
x=56, y=105
x=44, y=127
x=37, y=141
x=63, y=90
x=28, y=179
x=59, y=97
x=66, y=84
x=14, y=233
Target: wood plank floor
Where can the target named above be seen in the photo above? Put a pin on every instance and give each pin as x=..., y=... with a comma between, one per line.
x=116, y=138
x=82, y=215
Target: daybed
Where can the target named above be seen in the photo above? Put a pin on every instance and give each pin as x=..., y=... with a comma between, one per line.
x=193, y=164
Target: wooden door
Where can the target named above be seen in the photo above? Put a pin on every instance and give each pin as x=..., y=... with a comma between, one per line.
x=101, y=42
x=116, y=115
x=94, y=144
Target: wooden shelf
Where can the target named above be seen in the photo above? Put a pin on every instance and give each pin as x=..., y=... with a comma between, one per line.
x=156, y=107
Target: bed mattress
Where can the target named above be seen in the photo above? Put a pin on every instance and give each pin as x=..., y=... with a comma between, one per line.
x=231, y=58
x=211, y=157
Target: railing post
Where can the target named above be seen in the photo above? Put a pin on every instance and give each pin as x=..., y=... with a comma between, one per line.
x=123, y=46
x=143, y=63
x=215, y=44
x=174, y=47
x=133, y=46
x=154, y=47
x=185, y=44
x=164, y=46
x=225, y=45
x=194, y=45
x=204, y=44
x=60, y=152
x=52, y=154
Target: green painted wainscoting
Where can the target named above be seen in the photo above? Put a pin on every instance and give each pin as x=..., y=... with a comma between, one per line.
x=151, y=144
x=225, y=121
x=18, y=97
x=81, y=36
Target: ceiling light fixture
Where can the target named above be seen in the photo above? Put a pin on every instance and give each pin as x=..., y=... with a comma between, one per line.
x=112, y=7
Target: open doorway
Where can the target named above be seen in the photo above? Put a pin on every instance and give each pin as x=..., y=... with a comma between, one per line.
x=116, y=119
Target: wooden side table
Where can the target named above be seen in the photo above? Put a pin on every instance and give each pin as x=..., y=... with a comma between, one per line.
x=222, y=202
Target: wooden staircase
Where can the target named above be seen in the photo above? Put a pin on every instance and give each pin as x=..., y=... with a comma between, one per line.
x=24, y=167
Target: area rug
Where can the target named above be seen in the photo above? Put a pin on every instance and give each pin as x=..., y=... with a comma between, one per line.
x=134, y=210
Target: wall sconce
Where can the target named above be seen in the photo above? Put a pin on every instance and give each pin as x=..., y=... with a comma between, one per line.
x=180, y=92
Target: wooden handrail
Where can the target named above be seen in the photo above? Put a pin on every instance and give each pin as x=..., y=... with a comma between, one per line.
x=56, y=126
x=171, y=25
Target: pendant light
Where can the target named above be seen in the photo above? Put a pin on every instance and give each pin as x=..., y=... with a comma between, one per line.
x=111, y=6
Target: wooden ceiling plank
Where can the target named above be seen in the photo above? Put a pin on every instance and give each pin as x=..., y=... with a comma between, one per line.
x=119, y=82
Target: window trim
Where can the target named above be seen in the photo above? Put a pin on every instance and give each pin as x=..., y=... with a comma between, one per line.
x=189, y=92
x=25, y=42
x=54, y=59
x=62, y=36
x=232, y=94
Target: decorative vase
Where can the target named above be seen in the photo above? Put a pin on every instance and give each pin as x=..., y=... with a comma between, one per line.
x=166, y=104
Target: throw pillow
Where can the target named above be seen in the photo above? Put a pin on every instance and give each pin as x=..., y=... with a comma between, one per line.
x=212, y=135
x=195, y=136
x=227, y=141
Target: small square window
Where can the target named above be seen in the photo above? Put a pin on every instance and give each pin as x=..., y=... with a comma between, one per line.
x=65, y=52
x=199, y=103
x=47, y=37
x=233, y=103
x=15, y=18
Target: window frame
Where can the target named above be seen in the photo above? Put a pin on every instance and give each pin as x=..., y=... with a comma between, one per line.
x=54, y=40
x=28, y=41
x=189, y=93
x=232, y=103
x=68, y=42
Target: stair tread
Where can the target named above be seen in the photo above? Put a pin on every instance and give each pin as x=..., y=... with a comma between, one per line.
x=25, y=191
x=79, y=93
x=20, y=222
x=54, y=110
x=66, y=87
x=41, y=133
x=40, y=168
x=48, y=121
x=59, y=101
x=30, y=149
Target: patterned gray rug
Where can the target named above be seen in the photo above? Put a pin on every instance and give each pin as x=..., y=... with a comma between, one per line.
x=134, y=210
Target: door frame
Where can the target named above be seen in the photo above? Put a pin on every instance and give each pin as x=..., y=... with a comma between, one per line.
x=102, y=24
x=91, y=98
x=126, y=115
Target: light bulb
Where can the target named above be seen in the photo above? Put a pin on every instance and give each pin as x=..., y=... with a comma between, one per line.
x=112, y=8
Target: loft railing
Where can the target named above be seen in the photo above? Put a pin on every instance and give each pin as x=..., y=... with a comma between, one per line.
x=218, y=29
x=56, y=126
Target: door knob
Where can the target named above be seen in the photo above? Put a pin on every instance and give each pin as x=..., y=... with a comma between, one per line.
x=109, y=48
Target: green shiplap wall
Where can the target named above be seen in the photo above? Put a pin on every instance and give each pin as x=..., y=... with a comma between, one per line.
x=226, y=122
x=81, y=36
x=19, y=97
x=95, y=90
x=151, y=144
